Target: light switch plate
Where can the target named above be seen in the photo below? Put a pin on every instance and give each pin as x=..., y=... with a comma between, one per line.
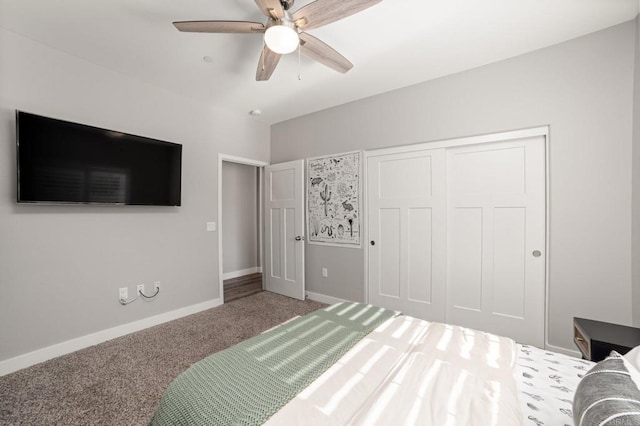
x=211, y=226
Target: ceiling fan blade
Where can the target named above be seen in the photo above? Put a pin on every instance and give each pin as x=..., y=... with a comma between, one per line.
x=271, y=8
x=323, y=12
x=319, y=51
x=245, y=27
x=267, y=64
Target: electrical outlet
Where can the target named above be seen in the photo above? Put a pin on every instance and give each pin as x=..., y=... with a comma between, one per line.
x=123, y=293
x=156, y=286
x=325, y=273
x=140, y=289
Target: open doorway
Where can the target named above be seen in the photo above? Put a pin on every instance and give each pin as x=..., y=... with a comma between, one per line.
x=240, y=219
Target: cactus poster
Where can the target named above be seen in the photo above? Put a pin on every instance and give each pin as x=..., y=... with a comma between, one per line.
x=333, y=199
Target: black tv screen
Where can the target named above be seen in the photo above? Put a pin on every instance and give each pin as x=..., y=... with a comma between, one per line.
x=63, y=162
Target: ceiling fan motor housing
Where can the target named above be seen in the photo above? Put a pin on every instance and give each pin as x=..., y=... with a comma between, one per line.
x=286, y=4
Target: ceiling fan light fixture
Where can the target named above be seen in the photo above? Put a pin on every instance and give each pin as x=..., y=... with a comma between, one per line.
x=281, y=39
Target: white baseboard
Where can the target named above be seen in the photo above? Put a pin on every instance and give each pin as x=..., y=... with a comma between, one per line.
x=242, y=272
x=324, y=298
x=26, y=360
x=570, y=352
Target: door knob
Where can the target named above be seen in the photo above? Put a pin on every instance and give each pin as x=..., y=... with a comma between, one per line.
x=373, y=243
x=299, y=238
x=536, y=253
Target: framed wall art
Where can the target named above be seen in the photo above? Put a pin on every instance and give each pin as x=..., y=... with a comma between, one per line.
x=333, y=199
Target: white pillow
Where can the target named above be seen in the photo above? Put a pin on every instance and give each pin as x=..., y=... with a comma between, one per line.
x=633, y=356
x=632, y=362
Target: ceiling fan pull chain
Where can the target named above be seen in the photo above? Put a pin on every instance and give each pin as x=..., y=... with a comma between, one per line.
x=299, y=66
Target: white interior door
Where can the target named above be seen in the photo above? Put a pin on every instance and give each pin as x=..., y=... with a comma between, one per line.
x=407, y=211
x=284, y=228
x=496, y=238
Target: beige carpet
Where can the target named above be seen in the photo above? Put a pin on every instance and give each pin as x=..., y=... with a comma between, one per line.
x=120, y=382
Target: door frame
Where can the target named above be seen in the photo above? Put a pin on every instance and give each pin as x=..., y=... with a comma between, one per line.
x=464, y=141
x=249, y=162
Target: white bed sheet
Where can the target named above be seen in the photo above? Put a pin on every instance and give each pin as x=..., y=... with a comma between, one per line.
x=546, y=384
x=410, y=371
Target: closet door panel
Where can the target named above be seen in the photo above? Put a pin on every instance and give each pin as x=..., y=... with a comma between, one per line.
x=496, y=238
x=509, y=261
x=420, y=237
x=404, y=178
x=389, y=264
x=465, y=257
x=406, y=228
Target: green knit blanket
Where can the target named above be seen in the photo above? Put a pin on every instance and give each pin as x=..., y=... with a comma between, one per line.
x=249, y=382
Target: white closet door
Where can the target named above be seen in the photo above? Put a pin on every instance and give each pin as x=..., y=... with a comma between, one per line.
x=496, y=238
x=407, y=210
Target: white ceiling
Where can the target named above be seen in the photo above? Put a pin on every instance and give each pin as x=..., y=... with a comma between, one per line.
x=393, y=44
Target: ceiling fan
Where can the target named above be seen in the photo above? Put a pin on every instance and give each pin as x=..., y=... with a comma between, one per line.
x=285, y=32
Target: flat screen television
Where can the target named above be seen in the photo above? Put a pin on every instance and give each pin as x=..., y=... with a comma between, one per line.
x=64, y=162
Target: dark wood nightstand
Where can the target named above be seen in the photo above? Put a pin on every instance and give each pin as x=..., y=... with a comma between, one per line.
x=596, y=339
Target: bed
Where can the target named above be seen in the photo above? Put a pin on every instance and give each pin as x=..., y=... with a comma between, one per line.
x=353, y=363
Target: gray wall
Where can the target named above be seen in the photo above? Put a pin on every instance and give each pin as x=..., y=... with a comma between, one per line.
x=636, y=181
x=239, y=217
x=582, y=89
x=61, y=266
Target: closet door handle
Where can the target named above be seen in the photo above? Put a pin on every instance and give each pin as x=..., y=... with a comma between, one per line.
x=299, y=238
x=373, y=243
x=536, y=253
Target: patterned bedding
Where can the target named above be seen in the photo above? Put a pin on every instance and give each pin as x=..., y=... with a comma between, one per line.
x=546, y=384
